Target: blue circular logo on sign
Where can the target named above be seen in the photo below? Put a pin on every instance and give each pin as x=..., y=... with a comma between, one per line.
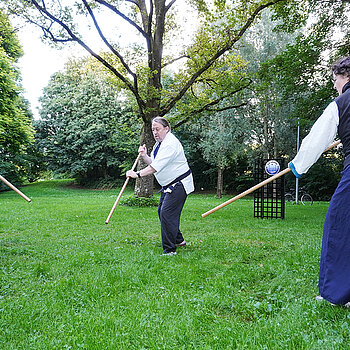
x=272, y=167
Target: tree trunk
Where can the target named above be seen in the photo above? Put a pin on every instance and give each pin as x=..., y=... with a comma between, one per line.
x=151, y=108
x=144, y=186
x=220, y=183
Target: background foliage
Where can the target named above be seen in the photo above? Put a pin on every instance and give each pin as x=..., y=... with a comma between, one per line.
x=85, y=131
x=16, y=132
x=271, y=76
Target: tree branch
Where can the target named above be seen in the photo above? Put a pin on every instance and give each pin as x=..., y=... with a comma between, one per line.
x=121, y=58
x=74, y=38
x=171, y=3
x=171, y=103
x=126, y=18
x=214, y=103
x=227, y=108
x=133, y=2
x=174, y=60
x=146, y=32
x=150, y=17
x=147, y=20
x=187, y=119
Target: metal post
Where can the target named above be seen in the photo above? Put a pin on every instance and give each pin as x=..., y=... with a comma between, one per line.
x=296, y=179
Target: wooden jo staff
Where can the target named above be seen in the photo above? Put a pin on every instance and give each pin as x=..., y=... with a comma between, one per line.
x=252, y=189
x=9, y=184
x=122, y=190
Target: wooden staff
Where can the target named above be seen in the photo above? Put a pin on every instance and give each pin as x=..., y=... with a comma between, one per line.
x=252, y=189
x=122, y=190
x=9, y=184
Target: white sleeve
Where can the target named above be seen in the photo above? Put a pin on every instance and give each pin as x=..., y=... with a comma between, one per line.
x=319, y=138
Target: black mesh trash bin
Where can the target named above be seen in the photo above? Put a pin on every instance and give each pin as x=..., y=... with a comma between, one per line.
x=269, y=199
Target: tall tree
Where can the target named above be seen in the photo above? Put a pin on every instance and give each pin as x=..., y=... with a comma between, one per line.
x=84, y=130
x=221, y=25
x=268, y=110
x=292, y=73
x=222, y=139
x=302, y=70
x=15, y=120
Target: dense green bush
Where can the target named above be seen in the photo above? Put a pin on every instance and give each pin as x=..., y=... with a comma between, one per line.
x=133, y=201
x=322, y=178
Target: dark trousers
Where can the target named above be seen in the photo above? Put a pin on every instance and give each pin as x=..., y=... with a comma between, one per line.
x=169, y=212
x=334, y=281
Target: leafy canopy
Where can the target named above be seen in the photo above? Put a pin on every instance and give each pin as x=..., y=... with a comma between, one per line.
x=15, y=121
x=85, y=130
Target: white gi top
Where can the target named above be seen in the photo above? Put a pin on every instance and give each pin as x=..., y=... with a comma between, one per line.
x=171, y=162
x=319, y=138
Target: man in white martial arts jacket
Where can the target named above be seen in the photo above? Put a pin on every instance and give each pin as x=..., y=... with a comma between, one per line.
x=169, y=165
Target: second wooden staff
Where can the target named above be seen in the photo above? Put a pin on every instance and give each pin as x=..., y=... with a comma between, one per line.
x=252, y=189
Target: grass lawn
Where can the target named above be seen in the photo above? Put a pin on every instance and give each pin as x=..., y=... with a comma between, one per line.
x=68, y=281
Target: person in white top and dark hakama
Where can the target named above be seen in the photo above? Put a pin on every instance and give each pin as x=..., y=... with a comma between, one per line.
x=169, y=165
x=334, y=276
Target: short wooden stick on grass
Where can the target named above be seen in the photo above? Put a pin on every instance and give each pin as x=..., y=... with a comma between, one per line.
x=9, y=184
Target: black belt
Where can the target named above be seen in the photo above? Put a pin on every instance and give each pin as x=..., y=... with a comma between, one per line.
x=181, y=177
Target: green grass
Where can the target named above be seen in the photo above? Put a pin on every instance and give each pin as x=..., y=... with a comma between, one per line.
x=68, y=281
